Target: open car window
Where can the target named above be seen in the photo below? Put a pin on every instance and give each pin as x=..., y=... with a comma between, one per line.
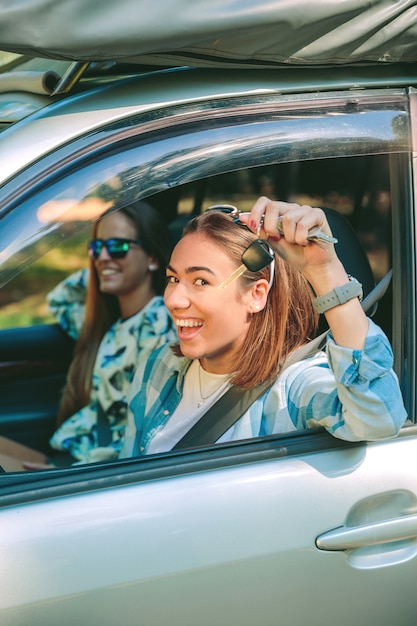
x=345, y=152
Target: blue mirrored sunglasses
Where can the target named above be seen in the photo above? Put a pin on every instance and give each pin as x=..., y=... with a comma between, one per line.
x=116, y=247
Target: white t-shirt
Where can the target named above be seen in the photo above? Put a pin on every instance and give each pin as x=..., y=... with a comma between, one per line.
x=201, y=390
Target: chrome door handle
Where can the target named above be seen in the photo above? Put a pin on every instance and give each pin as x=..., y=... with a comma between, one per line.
x=345, y=538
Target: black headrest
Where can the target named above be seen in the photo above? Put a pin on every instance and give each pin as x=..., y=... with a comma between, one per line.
x=349, y=250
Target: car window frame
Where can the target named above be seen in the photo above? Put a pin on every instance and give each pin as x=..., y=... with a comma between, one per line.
x=140, y=131
x=105, y=144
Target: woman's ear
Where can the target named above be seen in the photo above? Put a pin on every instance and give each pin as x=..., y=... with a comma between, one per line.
x=153, y=264
x=258, y=296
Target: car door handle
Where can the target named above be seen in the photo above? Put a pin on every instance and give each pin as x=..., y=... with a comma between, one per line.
x=345, y=538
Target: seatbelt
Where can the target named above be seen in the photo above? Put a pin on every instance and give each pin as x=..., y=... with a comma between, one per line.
x=221, y=416
x=236, y=401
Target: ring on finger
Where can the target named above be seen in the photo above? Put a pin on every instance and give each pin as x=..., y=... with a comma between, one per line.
x=279, y=225
x=261, y=223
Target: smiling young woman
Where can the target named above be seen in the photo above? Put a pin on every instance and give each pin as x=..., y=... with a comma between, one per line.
x=237, y=329
x=116, y=313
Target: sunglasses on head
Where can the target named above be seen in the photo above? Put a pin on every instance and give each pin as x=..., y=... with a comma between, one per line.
x=230, y=210
x=257, y=255
x=116, y=247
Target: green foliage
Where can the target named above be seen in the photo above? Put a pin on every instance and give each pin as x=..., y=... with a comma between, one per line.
x=23, y=299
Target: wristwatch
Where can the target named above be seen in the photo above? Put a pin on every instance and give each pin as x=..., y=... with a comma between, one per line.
x=339, y=295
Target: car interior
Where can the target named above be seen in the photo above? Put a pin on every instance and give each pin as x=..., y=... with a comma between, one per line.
x=34, y=358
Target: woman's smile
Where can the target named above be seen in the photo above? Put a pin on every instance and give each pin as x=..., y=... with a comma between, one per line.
x=188, y=328
x=188, y=323
x=108, y=271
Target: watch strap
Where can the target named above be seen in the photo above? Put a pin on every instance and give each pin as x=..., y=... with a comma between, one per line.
x=338, y=295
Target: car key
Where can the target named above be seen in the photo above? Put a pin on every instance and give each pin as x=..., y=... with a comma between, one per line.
x=314, y=234
x=256, y=256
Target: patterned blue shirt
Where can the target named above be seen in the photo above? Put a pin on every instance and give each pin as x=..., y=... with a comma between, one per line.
x=354, y=394
x=122, y=348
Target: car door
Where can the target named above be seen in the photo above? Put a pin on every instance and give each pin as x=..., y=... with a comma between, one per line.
x=33, y=365
x=283, y=529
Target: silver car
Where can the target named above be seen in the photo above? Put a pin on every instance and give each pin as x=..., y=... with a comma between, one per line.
x=286, y=529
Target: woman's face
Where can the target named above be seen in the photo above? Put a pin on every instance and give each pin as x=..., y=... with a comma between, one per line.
x=121, y=277
x=211, y=323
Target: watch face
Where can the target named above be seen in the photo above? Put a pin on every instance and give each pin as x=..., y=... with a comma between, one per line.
x=355, y=280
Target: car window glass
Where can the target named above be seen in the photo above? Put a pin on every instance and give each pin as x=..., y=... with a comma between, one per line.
x=356, y=187
x=295, y=157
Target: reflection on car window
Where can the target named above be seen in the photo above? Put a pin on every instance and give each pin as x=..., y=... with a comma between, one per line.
x=356, y=187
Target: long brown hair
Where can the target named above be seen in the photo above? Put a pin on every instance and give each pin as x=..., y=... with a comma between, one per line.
x=102, y=310
x=288, y=319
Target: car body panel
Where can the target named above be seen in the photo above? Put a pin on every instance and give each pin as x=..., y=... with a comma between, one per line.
x=218, y=545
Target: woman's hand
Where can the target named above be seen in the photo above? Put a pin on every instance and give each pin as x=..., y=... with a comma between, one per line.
x=30, y=465
x=297, y=221
x=316, y=260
